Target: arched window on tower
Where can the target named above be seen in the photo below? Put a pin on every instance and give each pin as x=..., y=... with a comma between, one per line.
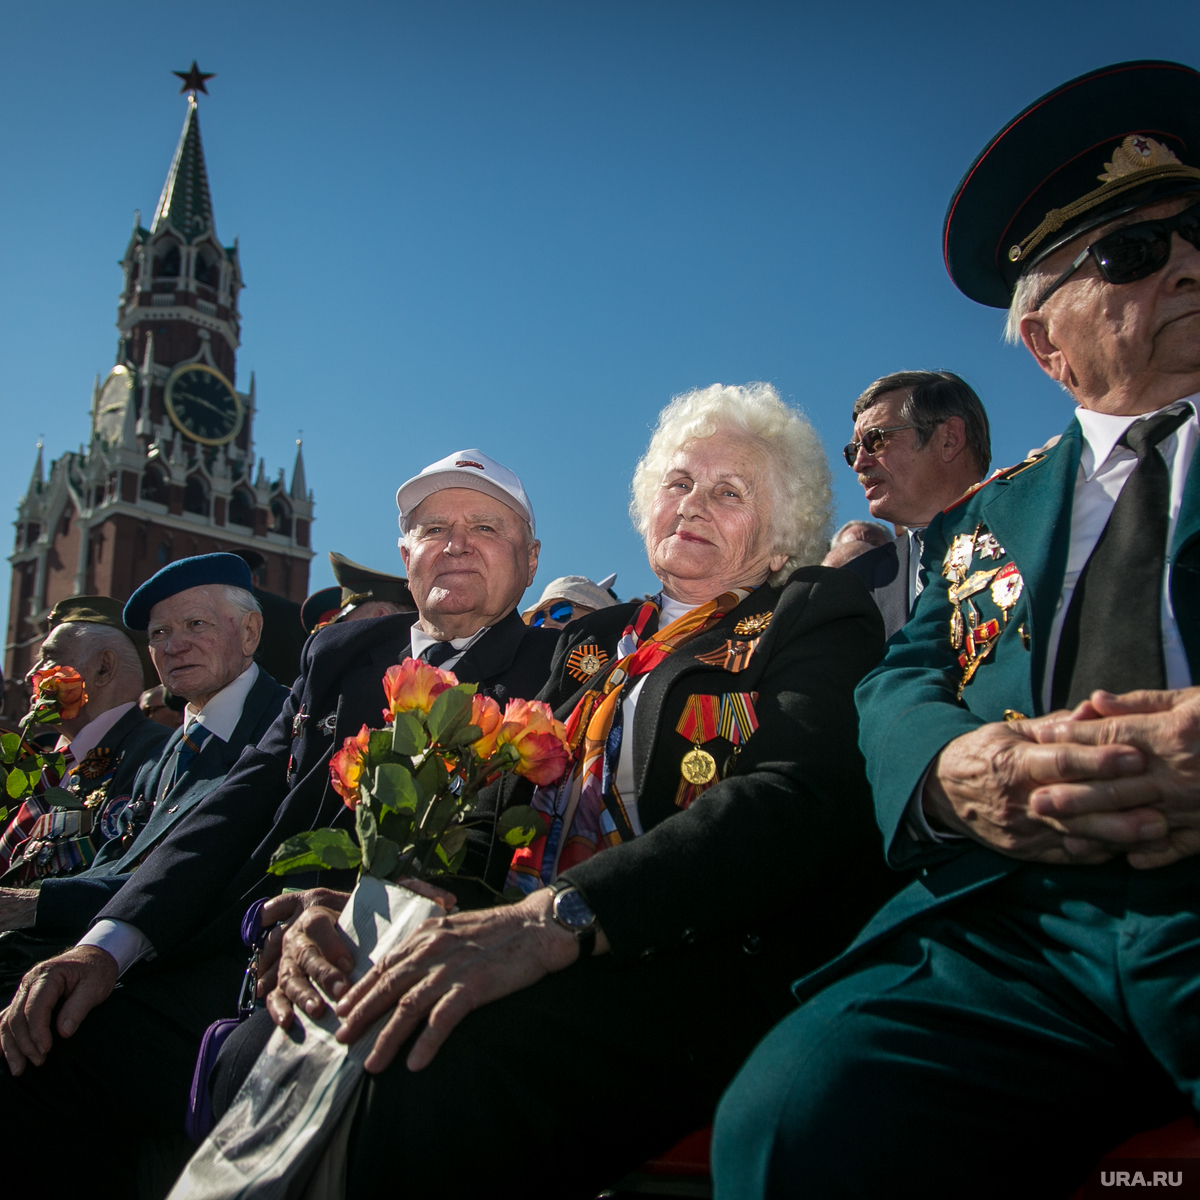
x=166, y=260
x=241, y=509
x=281, y=518
x=195, y=496
x=208, y=270
x=154, y=486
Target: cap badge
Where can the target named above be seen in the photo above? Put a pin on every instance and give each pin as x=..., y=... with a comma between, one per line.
x=1136, y=153
x=466, y=462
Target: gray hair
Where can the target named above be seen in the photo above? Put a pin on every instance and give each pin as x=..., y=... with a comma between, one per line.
x=240, y=600
x=934, y=397
x=801, y=511
x=91, y=639
x=1029, y=287
x=833, y=541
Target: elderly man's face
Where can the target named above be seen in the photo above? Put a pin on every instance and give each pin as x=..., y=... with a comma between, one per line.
x=872, y=535
x=469, y=559
x=1123, y=348
x=709, y=523
x=902, y=481
x=199, y=642
x=63, y=648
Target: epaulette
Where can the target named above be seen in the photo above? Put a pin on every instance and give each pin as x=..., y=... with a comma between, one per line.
x=998, y=474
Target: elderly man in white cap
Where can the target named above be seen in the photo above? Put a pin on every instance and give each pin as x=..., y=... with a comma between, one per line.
x=470, y=550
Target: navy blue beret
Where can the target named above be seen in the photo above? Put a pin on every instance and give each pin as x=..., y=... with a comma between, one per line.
x=179, y=576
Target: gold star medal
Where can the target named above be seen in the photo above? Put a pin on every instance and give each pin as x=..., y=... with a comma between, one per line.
x=748, y=626
x=584, y=661
x=699, y=723
x=698, y=766
x=1007, y=588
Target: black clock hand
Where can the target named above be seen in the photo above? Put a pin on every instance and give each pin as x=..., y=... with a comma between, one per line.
x=191, y=396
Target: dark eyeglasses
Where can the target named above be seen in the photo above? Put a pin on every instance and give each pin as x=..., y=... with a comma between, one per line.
x=1133, y=252
x=872, y=441
x=560, y=612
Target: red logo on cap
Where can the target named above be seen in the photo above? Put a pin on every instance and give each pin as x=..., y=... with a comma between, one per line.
x=466, y=462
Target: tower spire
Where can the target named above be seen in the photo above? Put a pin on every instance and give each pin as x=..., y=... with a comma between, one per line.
x=185, y=204
x=299, y=486
x=38, y=478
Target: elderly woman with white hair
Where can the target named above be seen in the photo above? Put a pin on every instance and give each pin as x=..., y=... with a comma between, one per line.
x=712, y=840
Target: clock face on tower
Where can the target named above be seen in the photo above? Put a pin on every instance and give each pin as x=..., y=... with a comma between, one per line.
x=110, y=409
x=203, y=405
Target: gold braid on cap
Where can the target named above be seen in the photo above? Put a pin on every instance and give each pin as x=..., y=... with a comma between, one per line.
x=1137, y=160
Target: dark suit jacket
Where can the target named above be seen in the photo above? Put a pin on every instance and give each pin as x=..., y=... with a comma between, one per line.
x=885, y=572
x=908, y=705
x=782, y=857
x=196, y=885
x=67, y=906
x=133, y=742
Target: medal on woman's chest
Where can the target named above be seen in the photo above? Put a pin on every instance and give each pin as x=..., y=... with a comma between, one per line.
x=698, y=766
x=699, y=722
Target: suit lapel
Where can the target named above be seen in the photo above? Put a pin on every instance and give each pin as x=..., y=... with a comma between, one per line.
x=1029, y=513
x=493, y=654
x=1185, y=568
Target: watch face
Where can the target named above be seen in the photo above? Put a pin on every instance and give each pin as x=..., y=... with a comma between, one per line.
x=114, y=396
x=572, y=910
x=203, y=404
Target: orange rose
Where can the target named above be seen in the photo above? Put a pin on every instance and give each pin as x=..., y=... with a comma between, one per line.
x=539, y=740
x=485, y=713
x=59, y=694
x=414, y=685
x=346, y=766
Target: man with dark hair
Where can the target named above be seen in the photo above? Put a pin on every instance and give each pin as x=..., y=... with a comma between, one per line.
x=921, y=438
x=1030, y=1000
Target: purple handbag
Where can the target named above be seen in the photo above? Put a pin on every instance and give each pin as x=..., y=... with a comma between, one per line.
x=199, y=1118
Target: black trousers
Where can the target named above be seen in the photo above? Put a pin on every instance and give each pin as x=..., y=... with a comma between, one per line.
x=994, y=1048
x=557, y=1090
x=76, y=1123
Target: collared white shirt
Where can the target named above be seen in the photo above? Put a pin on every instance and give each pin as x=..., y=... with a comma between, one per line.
x=420, y=641
x=88, y=738
x=1104, y=468
x=220, y=715
x=672, y=610
x=916, y=546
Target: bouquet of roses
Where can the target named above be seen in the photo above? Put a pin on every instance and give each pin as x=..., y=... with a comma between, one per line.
x=413, y=786
x=58, y=695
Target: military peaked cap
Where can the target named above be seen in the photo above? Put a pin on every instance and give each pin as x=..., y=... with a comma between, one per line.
x=103, y=610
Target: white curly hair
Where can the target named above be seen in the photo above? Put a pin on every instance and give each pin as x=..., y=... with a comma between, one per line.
x=801, y=503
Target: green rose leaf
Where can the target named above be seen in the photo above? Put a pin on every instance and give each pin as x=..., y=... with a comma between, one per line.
x=408, y=734
x=431, y=777
x=368, y=833
x=3, y=814
x=465, y=736
x=380, y=745
x=17, y=783
x=61, y=798
x=387, y=855
x=396, y=825
x=332, y=849
x=394, y=788
x=519, y=825
x=449, y=712
x=10, y=744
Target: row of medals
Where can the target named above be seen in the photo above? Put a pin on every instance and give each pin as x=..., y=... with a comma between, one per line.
x=972, y=636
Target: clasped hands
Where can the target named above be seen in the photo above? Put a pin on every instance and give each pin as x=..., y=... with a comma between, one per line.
x=443, y=970
x=1119, y=775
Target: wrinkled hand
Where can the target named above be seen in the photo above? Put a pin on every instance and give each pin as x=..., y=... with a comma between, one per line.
x=85, y=976
x=1165, y=727
x=984, y=782
x=449, y=966
x=308, y=949
x=18, y=908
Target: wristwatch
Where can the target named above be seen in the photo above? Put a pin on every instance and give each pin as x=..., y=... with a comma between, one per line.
x=570, y=910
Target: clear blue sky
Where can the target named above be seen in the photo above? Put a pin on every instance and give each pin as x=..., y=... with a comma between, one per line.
x=524, y=226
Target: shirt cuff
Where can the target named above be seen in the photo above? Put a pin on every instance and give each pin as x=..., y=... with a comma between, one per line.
x=915, y=821
x=125, y=942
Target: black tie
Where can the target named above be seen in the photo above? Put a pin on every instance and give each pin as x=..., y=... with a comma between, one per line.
x=1112, y=634
x=437, y=654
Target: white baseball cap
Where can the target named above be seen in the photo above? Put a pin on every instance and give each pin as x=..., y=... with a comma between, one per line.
x=465, y=469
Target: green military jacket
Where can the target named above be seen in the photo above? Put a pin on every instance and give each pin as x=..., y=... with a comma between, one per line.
x=974, y=650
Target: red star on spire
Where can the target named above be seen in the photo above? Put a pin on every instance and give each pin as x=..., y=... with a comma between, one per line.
x=193, y=79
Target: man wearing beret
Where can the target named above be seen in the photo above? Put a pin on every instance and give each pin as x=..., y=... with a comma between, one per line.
x=203, y=626
x=1033, y=735
x=470, y=548
x=103, y=746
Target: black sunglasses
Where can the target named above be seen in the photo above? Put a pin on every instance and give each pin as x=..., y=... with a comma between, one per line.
x=556, y=612
x=872, y=441
x=1133, y=252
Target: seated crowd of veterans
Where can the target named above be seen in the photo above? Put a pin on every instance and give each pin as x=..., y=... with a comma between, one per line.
x=942, y=792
